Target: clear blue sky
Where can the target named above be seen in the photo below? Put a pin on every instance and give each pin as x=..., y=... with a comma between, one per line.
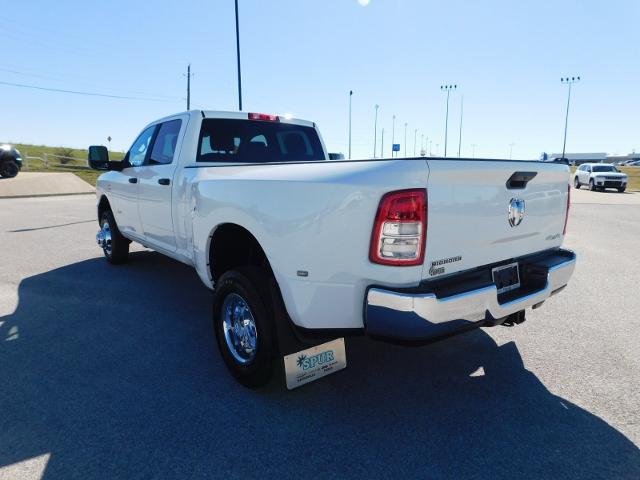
x=303, y=57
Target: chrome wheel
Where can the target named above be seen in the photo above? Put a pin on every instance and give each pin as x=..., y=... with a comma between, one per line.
x=105, y=239
x=239, y=328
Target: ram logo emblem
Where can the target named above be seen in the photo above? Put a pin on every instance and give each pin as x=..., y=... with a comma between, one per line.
x=516, y=211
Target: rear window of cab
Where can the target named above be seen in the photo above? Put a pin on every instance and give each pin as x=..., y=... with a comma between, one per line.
x=257, y=141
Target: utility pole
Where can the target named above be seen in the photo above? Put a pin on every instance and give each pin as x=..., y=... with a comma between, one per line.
x=350, y=95
x=375, y=131
x=393, y=134
x=567, y=81
x=460, y=134
x=448, y=89
x=238, y=56
x=415, y=140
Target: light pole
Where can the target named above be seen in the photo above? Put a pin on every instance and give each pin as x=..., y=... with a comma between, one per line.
x=350, y=95
x=415, y=140
x=473, y=149
x=430, y=149
x=393, y=134
x=238, y=55
x=382, y=144
x=437, y=149
x=375, y=131
x=460, y=133
x=109, y=140
x=511, y=150
x=567, y=81
x=448, y=89
x=405, y=139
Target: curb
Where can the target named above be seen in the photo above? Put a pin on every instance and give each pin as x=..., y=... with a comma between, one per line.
x=39, y=195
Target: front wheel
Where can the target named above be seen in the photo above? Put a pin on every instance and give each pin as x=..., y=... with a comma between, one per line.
x=576, y=182
x=243, y=320
x=9, y=169
x=621, y=189
x=592, y=186
x=114, y=245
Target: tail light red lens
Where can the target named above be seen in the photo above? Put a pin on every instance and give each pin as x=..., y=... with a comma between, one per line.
x=400, y=228
x=566, y=215
x=264, y=116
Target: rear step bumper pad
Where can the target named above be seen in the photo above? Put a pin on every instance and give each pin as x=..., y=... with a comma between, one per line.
x=418, y=316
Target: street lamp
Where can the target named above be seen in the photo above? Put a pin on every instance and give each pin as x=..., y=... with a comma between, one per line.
x=375, y=131
x=238, y=56
x=415, y=140
x=567, y=81
x=109, y=140
x=382, y=143
x=393, y=134
x=448, y=89
x=460, y=134
x=405, y=139
x=511, y=150
x=350, y=95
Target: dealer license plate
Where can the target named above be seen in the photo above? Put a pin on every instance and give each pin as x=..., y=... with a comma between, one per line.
x=313, y=363
x=506, y=277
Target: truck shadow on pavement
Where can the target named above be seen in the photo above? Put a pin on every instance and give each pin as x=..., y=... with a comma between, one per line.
x=113, y=373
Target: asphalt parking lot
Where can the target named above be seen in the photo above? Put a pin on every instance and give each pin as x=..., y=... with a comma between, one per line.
x=111, y=372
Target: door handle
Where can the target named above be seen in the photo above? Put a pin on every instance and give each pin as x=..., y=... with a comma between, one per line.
x=133, y=180
x=164, y=181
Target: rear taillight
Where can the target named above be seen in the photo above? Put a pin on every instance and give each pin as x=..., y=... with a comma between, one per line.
x=566, y=215
x=264, y=116
x=400, y=228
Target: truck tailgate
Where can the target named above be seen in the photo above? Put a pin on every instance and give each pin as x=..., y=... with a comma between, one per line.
x=468, y=212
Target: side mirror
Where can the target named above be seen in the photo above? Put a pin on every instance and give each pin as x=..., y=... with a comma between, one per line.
x=98, y=157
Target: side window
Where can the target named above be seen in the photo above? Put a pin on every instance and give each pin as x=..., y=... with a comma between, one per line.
x=140, y=147
x=164, y=146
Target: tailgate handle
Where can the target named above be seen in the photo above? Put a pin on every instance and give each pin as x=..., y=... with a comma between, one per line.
x=519, y=180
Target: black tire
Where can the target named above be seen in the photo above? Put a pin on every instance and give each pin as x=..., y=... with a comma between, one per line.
x=576, y=182
x=119, y=250
x=592, y=186
x=251, y=284
x=9, y=169
x=621, y=189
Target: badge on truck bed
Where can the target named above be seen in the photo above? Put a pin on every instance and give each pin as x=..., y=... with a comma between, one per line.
x=314, y=363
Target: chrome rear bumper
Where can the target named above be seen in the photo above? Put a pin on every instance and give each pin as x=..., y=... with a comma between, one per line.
x=411, y=315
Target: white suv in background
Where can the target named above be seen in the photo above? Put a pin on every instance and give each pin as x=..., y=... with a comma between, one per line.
x=600, y=176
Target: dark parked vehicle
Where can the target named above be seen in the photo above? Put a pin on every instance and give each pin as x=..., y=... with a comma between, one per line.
x=10, y=161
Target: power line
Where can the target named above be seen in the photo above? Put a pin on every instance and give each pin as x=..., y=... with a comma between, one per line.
x=91, y=94
x=66, y=78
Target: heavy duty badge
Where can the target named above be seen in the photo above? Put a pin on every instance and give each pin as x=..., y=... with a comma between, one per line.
x=437, y=266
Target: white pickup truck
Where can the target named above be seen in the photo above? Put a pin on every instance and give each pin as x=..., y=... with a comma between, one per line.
x=300, y=249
